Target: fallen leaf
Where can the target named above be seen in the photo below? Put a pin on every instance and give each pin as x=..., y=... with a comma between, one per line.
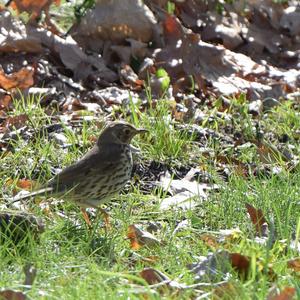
x=139, y=238
x=286, y=294
x=294, y=264
x=79, y=105
x=183, y=200
x=185, y=53
x=32, y=7
x=21, y=79
x=14, y=122
x=155, y=277
x=129, y=79
x=5, y=102
x=239, y=167
x=218, y=264
x=106, y=21
x=12, y=295
x=15, y=37
x=186, y=192
x=240, y=262
x=257, y=218
x=72, y=56
x=25, y=184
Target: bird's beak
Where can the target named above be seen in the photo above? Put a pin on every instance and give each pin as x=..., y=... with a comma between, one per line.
x=141, y=131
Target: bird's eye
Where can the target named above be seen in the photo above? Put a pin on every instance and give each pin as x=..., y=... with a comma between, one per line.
x=127, y=131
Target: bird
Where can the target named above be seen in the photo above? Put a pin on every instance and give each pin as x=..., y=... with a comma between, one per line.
x=99, y=175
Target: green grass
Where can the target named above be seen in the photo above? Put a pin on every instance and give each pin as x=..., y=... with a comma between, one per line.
x=164, y=141
x=74, y=262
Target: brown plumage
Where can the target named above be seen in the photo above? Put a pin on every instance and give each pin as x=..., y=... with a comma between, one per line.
x=100, y=173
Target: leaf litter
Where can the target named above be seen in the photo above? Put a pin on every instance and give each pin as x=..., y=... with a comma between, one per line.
x=210, y=56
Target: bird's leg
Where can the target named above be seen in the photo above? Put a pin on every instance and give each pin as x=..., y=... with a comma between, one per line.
x=86, y=217
x=103, y=213
x=105, y=216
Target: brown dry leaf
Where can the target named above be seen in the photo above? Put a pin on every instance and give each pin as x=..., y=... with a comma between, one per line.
x=286, y=294
x=153, y=276
x=170, y=57
x=24, y=184
x=12, y=295
x=15, y=122
x=179, y=111
x=194, y=13
x=32, y=7
x=178, y=115
x=79, y=105
x=224, y=28
x=93, y=139
x=294, y=264
x=240, y=262
x=172, y=29
x=136, y=49
x=260, y=28
x=129, y=79
x=134, y=244
x=15, y=37
x=114, y=22
x=186, y=54
x=5, y=102
x=21, y=79
x=73, y=57
x=20, y=37
x=257, y=218
x=250, y=30
x=72, y=105
x=139, y=238
x=239, y=167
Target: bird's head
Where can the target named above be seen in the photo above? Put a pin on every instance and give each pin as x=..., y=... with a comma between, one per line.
x=119, y=133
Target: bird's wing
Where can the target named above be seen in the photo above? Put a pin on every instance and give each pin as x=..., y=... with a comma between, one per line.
x=97, y=160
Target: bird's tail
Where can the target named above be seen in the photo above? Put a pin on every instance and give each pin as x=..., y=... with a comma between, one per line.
x=30, y=195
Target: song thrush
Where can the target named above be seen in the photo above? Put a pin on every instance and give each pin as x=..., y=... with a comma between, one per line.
x=100, y=174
